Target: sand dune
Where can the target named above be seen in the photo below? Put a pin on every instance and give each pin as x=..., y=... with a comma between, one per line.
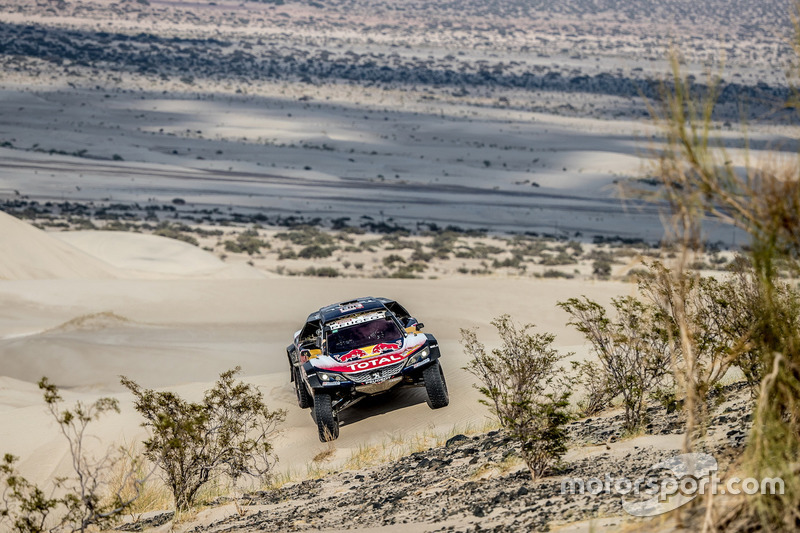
x=146, y=256
x=30, y=253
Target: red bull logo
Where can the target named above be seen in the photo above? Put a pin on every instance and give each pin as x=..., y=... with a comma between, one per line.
x=383, y=347
x=352, y=354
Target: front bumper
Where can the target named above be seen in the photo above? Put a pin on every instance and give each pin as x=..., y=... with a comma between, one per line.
x=376, y=380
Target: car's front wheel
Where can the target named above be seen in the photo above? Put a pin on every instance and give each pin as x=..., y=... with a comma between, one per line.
x=304, y=399
x=436, y=386
x=327, y=422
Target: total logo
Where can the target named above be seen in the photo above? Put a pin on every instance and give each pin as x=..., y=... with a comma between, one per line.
x=375, y=362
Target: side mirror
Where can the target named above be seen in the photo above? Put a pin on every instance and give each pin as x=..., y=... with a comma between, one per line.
x=419, y=326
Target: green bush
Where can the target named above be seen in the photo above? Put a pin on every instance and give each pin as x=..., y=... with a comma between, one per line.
x=315, y=251
x=551, y=273
x=228, y=434
x=601, y=268
x=322, y=272
x=165, y=229
x=287, y=253
x=562, y=258
x=515, y=261
x=306, y=236
x=248, y=242
x=633, y=349
x=391, y=259
x=524, y=386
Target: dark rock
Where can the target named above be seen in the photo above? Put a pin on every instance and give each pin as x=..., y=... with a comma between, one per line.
x=455, y=440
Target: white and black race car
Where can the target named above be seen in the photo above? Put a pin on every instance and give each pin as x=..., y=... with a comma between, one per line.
x=360, y=348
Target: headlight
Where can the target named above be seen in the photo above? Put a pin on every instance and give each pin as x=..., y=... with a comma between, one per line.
x=419, y=356
x=330, y=376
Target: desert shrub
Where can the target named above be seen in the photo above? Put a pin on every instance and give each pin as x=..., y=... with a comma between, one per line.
x=525, y=246
x=601, y=255
x=515, y=261
x=248, y=242
x=391, y=259
x=409, y=271
x=576, y=247
x=561, y=258
x=306, y=236
x=637, y=274
x=443, y=244
x=721, y=319
x=632, y=348
x=321, y=272
x=599, y=392
x=552, y=273
x=419, y=255
x=226, y=435
x=524, y=386
x=394, y=242
x=287, y=253
x=601, y=269
x=165, y=229
x=208, y=232
x=315, y=251
x=477, y=251
x=76, y=503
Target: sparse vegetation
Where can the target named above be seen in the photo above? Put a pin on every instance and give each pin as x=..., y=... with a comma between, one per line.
x=321, y=272
x=247, y=241
x=226, y=435
x=598, y=390
x=76, y=503
x=178, y=232
x=525, y=388
x=697, y=177
x=632, y=349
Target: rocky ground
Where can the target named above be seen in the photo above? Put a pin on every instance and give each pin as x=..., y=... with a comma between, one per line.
x=477, y=483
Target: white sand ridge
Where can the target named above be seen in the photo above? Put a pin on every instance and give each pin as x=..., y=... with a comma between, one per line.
x=29, y=253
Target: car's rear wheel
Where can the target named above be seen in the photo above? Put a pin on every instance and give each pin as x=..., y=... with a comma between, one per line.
x=436, y=386
x=327, y=422
x=304, y=399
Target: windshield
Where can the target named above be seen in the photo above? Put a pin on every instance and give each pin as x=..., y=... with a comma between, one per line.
x=362, y=335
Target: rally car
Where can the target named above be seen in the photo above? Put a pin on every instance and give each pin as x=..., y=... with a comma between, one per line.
x=350, y=350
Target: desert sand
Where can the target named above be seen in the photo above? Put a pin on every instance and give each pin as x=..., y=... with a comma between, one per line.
x=171, y=326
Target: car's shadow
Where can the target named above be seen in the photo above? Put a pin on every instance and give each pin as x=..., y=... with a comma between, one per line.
x=382, y=404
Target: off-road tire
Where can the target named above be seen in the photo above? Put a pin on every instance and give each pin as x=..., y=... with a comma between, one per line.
x=436, y=386
x=327, y=422
x=304, y=399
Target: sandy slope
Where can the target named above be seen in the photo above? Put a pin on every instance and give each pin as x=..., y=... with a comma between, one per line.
x=152, y=256
x=181, y=333
x=29, y=253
